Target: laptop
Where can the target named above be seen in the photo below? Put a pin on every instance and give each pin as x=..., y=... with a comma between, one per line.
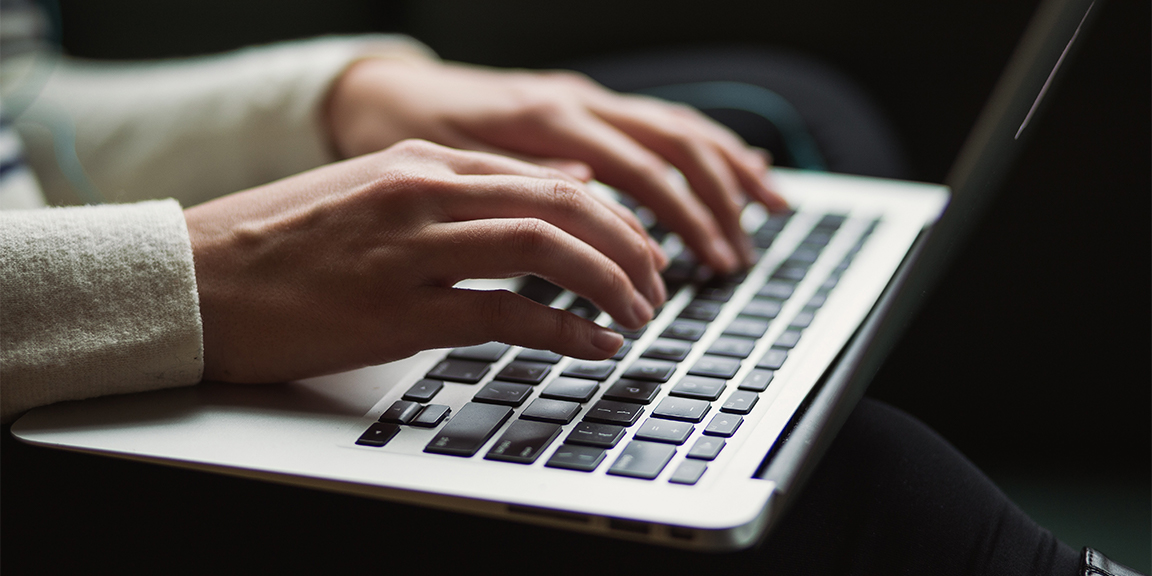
x=697, y=435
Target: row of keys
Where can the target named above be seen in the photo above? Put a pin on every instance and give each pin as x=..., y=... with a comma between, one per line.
x=621, y=406
x=672, y=422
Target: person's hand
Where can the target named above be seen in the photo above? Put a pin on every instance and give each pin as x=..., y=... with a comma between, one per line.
x=569, y=122
x=354, y=264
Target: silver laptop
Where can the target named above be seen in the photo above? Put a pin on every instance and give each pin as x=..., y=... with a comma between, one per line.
x=696, y=435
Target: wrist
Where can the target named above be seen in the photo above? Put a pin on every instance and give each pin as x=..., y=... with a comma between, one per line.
x=359, y=110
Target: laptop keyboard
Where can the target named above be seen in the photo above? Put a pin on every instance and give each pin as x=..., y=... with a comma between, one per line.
x=615, y=410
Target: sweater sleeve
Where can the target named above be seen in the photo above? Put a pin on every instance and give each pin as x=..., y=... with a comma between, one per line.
x=98, y=300
x=95, y=300
x=196, y=128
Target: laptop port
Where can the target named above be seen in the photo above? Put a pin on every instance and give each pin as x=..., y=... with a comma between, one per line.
x=628, y=526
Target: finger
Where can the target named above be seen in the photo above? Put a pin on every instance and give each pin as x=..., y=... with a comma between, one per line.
x=477, y=162
x=620, y=161
x=503, y=248
x=478, y=316
x=571, y=168
x=708, y=173
x=751, y=165
x=615, y=233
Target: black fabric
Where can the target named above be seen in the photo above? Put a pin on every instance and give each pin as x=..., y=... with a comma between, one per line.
x=892, y=497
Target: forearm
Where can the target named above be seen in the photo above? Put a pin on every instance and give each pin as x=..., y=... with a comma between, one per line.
x=198, y=128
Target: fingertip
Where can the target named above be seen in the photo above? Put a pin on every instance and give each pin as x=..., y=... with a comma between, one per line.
x=661, y=259
x=607, y=341
x=726, y=260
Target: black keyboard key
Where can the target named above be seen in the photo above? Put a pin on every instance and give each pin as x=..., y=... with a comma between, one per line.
x=400, y=412
x=642, y=459
x=542, y=356
x=690, y=330
x=724, y=425
x=625, y=348
x=612, y=412
x=777, y=289
x=818, y=238
x=832, y=221
x=524, y=372
x=431, y=416
x=762, y=308
x=740, y=402
x=549, y=410
x=523, y=442
x=808, y=254
x=791, y=270
x=539, y=290
x=488, y=352
x=818, y=299
x=747, y=327
x=378, y=434
x=689, y=472
x=593, y=434
x=651, y=370
x=704, y=310
x=716, y=367
x=469, y=429
x=732, y=346
x=678, y=273
x=773, y=359
x=573, y=389
x=757, y=380
x=668, y=431
x=632, y=391
x=665, y=349
x=788, y=339
x=629, y=334
x=506, y=393
x=575, y=457
x=590, y=369
x=683, y=409
x=716, y=292
x=465, y=371
x=699, y=387
x=423, y=390
x=706, y=448
x=584, y=308
x=803, y=319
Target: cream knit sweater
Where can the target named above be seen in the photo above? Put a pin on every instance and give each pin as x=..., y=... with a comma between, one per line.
x=102, y=299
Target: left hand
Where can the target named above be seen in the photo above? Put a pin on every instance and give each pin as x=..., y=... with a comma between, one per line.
x=567, y=121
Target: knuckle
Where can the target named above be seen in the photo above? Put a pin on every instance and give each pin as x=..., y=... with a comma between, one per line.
x=496, y=311
x=415, y=147
x=531, y=237
x=565, y=326
x=567, y=198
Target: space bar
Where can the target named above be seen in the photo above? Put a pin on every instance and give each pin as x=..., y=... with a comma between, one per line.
x=469, y=429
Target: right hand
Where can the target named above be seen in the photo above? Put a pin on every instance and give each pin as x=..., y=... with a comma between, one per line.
x=354, y=263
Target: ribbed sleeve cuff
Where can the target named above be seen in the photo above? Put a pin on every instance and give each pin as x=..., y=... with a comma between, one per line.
x=96, y=300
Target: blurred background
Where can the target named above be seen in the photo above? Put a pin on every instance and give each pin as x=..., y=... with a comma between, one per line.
x=1033, y=355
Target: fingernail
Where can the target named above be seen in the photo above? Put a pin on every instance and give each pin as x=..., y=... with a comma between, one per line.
x=607, y=340
x=657, y=294
x=729, y=261
x=658, y=253
x=745, y=245
x=641, y=310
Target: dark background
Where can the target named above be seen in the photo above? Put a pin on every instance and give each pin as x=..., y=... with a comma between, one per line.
x=1034, y=352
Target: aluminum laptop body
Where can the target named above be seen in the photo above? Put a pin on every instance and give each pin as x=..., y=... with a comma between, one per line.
x=696, y=436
